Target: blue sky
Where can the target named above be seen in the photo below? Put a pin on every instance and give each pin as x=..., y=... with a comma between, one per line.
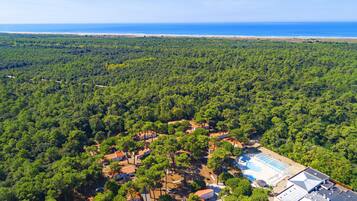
x=128, y=11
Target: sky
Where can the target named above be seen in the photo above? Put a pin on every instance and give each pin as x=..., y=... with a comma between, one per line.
x=166, y=11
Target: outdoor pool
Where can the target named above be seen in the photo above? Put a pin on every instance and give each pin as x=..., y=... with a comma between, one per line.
x=262, y=167
x=273, y=163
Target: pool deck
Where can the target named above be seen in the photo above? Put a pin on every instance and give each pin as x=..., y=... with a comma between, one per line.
x=293, y=167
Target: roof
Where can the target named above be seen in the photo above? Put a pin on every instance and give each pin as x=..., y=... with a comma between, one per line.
x=316, y=173
x=306, y=180
x=115, y=155
x=310, y=179
x=219, y=134
x=293, y=193
x=129, y=169
x=336, y=194
x=146, y=135
x=327, y=185
x=203, y=192
x=314, y=196
x=144, y=151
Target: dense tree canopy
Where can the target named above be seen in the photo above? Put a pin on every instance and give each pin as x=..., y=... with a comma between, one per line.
x=59, y=94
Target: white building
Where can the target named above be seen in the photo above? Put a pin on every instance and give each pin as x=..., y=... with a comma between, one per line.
x=302, y=184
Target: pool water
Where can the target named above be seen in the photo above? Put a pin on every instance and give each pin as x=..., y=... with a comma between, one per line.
x=279, y=166
x=262, y=167
x=253, y=167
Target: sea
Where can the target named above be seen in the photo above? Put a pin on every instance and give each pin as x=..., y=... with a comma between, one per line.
x=266, y=29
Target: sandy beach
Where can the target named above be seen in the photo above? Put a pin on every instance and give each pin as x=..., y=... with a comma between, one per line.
x=232, y=37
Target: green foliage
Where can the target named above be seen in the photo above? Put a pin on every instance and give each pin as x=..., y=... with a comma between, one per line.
x=243, y=188
x=111, y=186
x=217, y=159
x=196, y=144
x=6, y=194
x=197, y=184
x=193, y=197
x=224, y=176
x=106, y=196
x=259, y=194
x=240, y=189
x=166, y=198
x=300, y=98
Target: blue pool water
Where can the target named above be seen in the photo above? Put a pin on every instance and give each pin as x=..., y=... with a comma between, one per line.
x=275, y=164
x=253, y=167
x=287, y=29
x=263, y=167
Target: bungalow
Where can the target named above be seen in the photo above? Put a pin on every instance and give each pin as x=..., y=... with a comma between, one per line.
x=234, y=142
x=145, y=135
x=143, y=153
x=116, y=156
x=205, y=194
x=219, y=135
x=128, y=170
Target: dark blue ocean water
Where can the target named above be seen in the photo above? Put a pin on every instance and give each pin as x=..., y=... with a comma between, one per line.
x=314, y=29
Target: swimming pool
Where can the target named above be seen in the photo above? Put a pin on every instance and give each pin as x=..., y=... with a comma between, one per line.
x=262, y=167
x=279, y=166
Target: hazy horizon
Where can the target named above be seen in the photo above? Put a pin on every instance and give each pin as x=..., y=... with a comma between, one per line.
x=245, y=22
x=183, y=11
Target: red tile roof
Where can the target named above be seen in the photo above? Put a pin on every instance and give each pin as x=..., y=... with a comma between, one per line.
x=129, y=169
x=203, y=193
x=115, y=155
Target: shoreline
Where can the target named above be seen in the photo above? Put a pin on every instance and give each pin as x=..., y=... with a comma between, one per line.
x=237, y=37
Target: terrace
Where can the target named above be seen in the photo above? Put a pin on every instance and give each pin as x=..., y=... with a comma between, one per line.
x=263, y=165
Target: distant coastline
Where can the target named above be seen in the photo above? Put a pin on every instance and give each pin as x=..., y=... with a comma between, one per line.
x=235, y=37
x=269, y=30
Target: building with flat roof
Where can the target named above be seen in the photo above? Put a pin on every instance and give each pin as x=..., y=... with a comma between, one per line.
x=292, y=193
x=314, y=196
x=308, y=179
x=312, y=185
x=337, y=194
x=302, y=184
